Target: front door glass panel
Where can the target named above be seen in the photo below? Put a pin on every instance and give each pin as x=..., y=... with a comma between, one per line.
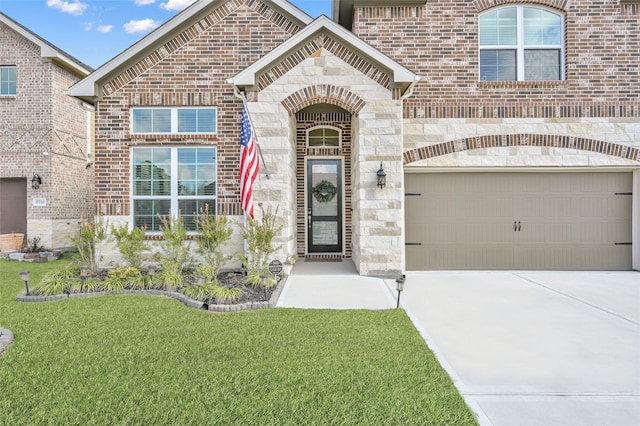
x=324, y=201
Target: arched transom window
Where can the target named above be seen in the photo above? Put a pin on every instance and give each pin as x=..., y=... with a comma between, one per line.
x=323, y=136
x=521, y=43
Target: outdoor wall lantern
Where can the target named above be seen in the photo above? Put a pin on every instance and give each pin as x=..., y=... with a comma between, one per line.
x=400, y=287
x=36, y=181
x=84, y=273
x=25, y=277
x=382, y=177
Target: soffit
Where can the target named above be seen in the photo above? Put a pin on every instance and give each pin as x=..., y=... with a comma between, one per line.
x=342, y=10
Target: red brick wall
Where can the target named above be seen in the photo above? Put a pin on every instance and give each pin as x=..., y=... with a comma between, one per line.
x=187, y=73
x=439, y=42
x=41, y=117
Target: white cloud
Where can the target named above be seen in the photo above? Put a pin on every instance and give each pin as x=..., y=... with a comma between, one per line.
x=144, y=2
x=141, y=26
x=74, y=7
x=176, y=4
x=104, y=28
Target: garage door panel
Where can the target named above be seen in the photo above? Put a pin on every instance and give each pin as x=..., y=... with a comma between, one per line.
x=519, y=221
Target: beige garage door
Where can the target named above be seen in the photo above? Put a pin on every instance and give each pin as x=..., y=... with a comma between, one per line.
x=565, y=221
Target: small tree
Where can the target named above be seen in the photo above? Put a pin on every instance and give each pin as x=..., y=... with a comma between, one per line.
x=130, y=243
x=85, y=240
x=259, y=235
x=214, y=233
x=175, y=254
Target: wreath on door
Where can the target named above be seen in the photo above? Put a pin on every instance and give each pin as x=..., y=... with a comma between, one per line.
x=324, y=191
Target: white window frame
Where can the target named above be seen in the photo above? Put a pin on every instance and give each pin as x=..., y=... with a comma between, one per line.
x=14, y=82
x=174, y=120
x=173, y=197
x=520, y=47
x=324, y=126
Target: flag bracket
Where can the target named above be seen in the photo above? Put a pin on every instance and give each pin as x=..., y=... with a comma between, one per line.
x=240, y=95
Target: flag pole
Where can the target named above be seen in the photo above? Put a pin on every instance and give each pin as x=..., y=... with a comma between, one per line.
x=238, y=94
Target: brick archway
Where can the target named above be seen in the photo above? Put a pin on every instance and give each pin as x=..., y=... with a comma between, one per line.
x=482, y=5
x=323, y=94
x=502, y=141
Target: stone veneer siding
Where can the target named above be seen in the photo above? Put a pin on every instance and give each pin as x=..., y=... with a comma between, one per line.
x=376, y=129
x=41, y=117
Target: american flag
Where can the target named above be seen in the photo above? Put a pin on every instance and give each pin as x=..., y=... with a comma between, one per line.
x=248, y=162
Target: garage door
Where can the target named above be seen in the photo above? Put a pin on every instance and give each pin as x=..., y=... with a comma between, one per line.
x=565, y=221
x=13, y=206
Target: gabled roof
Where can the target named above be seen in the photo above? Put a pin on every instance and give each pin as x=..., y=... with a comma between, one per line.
x=48, y=50
x=90, y=88
x=400, y=76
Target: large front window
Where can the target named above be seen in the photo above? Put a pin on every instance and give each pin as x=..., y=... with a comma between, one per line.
x=171, y=180
x=7, y=80
x=174, y=120
x=521, y=43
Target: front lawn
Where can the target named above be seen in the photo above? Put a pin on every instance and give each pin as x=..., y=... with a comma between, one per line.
x=150, y=360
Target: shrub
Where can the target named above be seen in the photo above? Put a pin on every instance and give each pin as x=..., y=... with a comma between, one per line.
x=174, y=256
x=142, y=282
x=85, y=240
x=214, y=233
x=91, y=284
x=259, y=235
x=114, y=284
x=226, y=294
x=33, y=245
x=124, y=273
x=57, y=282
x=130, y=243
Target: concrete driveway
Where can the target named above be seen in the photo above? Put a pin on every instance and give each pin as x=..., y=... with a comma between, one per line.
x=535, y=348
x=523, y=348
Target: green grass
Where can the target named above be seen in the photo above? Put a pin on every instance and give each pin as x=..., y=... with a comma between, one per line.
x=149, y=360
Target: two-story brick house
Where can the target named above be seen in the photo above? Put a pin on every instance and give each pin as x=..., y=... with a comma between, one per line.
x=509, y=131
x=45, y=139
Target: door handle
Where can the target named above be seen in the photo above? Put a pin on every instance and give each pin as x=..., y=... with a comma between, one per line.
x=515, y=226
x=309, y=218
x=519, y=227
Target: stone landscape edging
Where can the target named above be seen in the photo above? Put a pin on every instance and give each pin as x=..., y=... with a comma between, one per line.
x=22, y=297
x=6, y=338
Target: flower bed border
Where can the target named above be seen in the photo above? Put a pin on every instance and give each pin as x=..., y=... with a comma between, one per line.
x=248, y=306
x=6, y=338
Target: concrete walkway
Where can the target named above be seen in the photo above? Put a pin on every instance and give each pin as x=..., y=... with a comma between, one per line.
x=523, y=348
x=333, y=285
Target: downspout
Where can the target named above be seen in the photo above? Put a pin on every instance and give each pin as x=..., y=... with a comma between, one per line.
x=89, y=110
x=408, y=93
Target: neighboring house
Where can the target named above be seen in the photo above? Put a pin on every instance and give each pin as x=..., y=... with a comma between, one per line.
x=45, y=184
x=509, y=131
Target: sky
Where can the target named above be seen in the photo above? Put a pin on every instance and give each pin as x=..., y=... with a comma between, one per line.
x=94, y=31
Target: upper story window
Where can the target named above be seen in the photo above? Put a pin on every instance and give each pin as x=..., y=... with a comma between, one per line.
x=7, y=80
x=174, y=120
x=323, y=136
x=521, y=43
x=170, y=181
